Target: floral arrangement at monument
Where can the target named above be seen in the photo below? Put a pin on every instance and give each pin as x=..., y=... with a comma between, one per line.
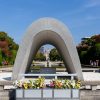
x=55, y=83
x=63, y=84
x=41, y=88
x=36, y=84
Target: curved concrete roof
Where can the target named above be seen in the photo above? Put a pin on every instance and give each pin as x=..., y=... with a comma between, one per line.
x=43, y=31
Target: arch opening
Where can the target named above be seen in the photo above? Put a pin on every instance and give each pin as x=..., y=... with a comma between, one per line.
x=50, y=37
x=47, y=61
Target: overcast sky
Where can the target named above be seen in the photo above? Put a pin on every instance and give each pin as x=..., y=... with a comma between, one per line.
x=82, y=17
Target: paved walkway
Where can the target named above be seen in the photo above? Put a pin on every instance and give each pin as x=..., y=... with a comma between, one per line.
x=88, y=76
x=91, y=76
x=5, y=76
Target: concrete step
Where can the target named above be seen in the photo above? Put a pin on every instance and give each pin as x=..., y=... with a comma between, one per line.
x=4, y=93
x=4, y=98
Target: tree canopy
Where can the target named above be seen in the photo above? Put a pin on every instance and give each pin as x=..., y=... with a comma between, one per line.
x=8, y=49
x=54, y=55
x=89, y=49
x=40, y=56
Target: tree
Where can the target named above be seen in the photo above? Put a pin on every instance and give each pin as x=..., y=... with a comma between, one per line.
x=97, y=49
x=12, y=59
x=3, y=36
x=54, y=55
x=8, y=48
x=40, y=57
x=1, y=57
x=89, y=49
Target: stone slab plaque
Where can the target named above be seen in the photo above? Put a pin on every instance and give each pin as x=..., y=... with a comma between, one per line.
x=62, y=93
x=75, y=93
x=32, y=93
x=19, y=93
x=47, y=93
x=48, y=71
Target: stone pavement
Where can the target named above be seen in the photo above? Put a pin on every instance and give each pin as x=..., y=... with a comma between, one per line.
x=88, y=76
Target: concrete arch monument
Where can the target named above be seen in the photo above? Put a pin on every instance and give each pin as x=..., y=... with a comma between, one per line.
x=43, y=31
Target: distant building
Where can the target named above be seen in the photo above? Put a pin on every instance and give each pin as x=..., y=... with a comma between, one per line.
x=46, y=53
x=86, y=38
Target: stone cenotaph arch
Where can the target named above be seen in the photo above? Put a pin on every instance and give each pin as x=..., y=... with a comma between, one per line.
x=47, y=31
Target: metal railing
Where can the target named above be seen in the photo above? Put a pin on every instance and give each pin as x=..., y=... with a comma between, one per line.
x=55, y=75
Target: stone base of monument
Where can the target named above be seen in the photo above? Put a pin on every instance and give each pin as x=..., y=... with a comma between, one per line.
x=47, y=94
